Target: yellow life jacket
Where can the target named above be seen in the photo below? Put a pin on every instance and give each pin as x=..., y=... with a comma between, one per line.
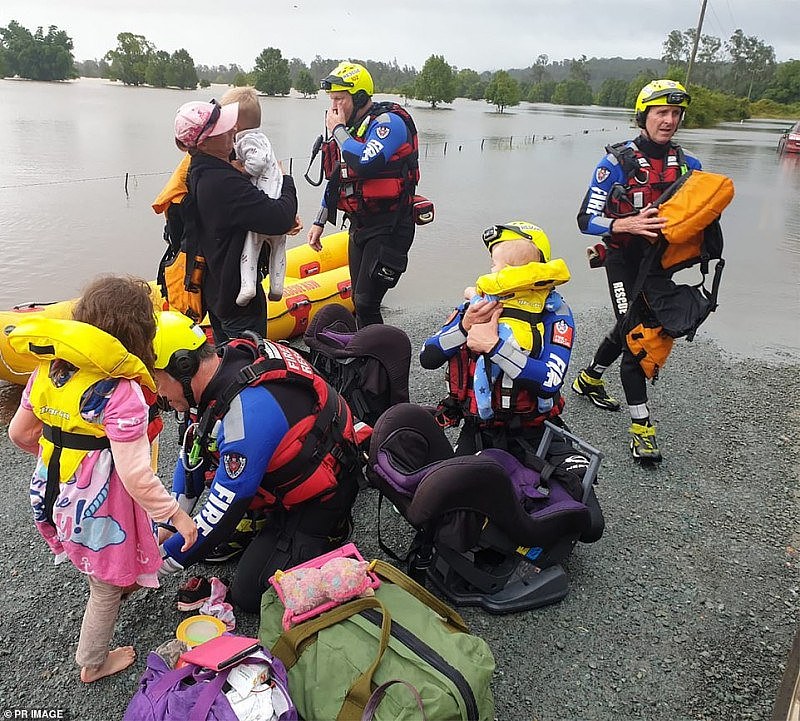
x=56, y=397
x=523, y=290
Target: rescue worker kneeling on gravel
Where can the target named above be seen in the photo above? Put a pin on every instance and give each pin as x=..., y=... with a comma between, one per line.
x=277, y=438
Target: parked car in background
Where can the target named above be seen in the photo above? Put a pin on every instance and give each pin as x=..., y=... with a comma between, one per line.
x=789, y=142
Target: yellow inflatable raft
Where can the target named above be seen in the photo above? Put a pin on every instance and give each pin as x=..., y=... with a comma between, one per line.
x=313, y=280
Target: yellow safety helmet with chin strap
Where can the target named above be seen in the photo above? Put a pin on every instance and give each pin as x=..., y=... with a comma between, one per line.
x=515, y=230
x=660, y=92
x=177, y=339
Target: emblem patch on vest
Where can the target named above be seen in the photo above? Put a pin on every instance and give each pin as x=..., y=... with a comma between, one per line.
x=382, y=131
x=562, y=334
x=601, y=174
x=234, y=464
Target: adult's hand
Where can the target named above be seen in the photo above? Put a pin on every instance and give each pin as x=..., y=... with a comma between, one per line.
x=482, y=337
x=480, y=312
x=647, y=223
x=297, y=227
x=314, y=235
x=333, y=118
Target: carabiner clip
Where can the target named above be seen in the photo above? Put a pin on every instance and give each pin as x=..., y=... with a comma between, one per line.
x=191, y=453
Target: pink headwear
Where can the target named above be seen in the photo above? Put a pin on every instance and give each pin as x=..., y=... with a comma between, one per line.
x=196, y=121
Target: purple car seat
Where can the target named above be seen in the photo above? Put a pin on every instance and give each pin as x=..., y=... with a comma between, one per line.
x=368, y=367
x=490, y=531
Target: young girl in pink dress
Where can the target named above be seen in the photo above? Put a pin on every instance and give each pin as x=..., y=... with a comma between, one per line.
x=84, y=413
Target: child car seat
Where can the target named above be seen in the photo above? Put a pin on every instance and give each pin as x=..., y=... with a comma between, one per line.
x=368, y=367
x=490, y=532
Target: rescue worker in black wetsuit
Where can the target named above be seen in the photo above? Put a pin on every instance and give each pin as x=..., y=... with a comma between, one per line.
x=276, y=437
x=371, y=162
x=618, y=208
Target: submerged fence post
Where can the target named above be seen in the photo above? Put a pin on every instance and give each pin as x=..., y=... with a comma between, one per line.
x=291, y=160
x=126, y=186
x=445, y=147
x=483, y=140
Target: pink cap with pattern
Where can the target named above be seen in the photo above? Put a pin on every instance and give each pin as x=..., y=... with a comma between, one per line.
x=196, y=121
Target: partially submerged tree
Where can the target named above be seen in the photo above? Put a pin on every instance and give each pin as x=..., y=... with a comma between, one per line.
x=37, y=56
x=129, y=60
x=271, y=74
x=305, y=84
x=502, y=91
x=436, y=82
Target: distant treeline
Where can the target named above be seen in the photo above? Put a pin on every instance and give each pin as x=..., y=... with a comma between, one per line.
x=729, y=80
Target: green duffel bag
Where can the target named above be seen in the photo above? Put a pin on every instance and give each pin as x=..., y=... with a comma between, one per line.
x=336, y=660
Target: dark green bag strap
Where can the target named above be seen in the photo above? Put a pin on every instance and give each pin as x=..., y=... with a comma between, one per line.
x=398, y=578
x=288, y=649
x=377, y=696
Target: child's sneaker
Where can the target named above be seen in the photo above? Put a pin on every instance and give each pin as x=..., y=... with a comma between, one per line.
x=193, y=594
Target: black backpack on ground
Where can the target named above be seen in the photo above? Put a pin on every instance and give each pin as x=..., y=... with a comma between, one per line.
x=368, y=367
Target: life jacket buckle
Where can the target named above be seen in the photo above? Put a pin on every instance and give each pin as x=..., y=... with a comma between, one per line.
x=249, y=374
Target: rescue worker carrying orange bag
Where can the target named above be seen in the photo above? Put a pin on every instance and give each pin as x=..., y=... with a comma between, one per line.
x=656, y=212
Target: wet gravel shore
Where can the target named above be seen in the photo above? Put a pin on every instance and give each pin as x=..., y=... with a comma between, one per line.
x=685, y=609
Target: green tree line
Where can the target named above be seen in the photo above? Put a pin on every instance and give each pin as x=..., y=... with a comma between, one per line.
x=730, y=79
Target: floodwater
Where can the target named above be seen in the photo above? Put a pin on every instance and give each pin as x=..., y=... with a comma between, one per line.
x=82, y=161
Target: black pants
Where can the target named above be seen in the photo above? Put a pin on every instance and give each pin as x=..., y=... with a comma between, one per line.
x=622, y=268
x=377, y=255
x=292, y=537
x=252, y=317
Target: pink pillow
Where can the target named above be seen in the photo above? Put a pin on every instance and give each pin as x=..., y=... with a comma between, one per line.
x=306, y=589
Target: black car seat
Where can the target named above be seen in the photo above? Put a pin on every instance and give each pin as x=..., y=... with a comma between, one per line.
x=490, y=532
x=369, y=367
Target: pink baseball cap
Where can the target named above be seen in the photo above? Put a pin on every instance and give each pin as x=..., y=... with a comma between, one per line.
x=196, y=121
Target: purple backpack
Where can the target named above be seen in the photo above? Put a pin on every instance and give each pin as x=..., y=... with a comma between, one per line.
x=195, y=693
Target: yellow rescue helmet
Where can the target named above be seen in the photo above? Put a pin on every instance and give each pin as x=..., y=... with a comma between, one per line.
x=177, y=337
x=351, y=77
x=515, y=230
x=660, y=92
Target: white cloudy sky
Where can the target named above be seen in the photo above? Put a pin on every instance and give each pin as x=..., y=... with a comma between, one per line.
x=478, y=34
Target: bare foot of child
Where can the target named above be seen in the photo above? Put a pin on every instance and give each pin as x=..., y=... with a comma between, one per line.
x=117, y=660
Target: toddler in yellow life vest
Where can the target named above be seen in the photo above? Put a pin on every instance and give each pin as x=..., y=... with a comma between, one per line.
x=523, y=279
x=84, y=413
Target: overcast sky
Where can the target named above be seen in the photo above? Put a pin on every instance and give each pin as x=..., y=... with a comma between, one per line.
x=477, y=34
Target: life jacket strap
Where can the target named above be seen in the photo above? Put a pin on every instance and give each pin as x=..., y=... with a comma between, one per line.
x=64, y=439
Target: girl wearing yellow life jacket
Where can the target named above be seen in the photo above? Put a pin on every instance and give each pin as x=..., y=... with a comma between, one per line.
x=94, y=493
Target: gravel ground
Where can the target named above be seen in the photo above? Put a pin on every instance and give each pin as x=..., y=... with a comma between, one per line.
x=685, y=609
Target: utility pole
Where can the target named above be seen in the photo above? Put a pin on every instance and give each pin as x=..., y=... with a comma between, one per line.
x=696, y=41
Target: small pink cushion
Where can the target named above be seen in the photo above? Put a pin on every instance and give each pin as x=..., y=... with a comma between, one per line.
x=339, y=580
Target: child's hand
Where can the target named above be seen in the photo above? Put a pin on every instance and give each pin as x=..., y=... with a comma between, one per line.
x=184, y=524
x=470, y=292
